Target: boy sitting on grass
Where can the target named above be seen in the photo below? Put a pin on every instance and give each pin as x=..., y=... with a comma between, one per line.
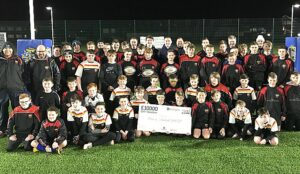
x=52, y=136
x=98, y=128
x=266, y=128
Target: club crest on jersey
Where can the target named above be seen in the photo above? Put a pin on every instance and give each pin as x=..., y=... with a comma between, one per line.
x=213, y=65
x=16, y=62
x=283, y=66
x=29, y=115
x=276, y=95
x=219, y=109
x=195, y=64
x=47, y=67
x=258, y=62
x=236, y=71
x=206, y=110
x=248, y=94
x=73, y=68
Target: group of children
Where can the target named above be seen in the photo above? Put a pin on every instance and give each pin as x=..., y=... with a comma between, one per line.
x=102, y=91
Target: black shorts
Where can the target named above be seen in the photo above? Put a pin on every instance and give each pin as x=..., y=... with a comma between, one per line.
x=265, y=134
x=200, y=126
x=134, y=123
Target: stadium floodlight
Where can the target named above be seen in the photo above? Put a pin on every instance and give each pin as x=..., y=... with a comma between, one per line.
x=292, y=17
x=52, y=28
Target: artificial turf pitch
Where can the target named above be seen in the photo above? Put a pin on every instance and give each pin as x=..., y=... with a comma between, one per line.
x=162, y=154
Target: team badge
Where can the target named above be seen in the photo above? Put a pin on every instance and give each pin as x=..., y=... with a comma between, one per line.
x=258, y=62
x=16, y=62
x=236, y=71
x=283, y=66
x=47, y=67
x=73, y=68
x=129, y=70
x=213, y=65
x=29, y=115
x=147, y=72
x=219, y=109
x=170, y=70
x=248, y=94
x=195, y=64
x=206, y=110
x=276, y=95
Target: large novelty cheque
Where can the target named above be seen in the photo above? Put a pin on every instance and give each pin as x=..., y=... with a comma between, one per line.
x=165, y=119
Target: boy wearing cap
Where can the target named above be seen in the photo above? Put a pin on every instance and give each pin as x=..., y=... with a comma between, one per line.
x=78, y=54
x=260, y=42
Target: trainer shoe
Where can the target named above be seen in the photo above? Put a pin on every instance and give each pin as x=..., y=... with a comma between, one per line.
x=249, y=132
x=2, y=134
x=35, y=150
x=59, y=150
x=87, y=146
x=235, y=136
x=112, y=142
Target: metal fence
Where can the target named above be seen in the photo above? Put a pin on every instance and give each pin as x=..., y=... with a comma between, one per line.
x=246, y=30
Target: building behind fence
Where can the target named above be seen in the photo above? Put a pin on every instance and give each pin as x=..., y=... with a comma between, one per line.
x=246, y=30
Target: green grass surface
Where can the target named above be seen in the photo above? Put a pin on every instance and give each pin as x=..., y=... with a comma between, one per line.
x=162, y=154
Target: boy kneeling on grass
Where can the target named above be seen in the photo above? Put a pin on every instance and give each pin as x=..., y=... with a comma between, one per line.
x=52, y=136
x=240, y=120
x=23, y=124
x=98, y=128
x=266, y=128
x=202, y=116
x=123, y=117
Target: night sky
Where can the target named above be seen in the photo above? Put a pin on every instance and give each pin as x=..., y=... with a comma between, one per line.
x=147, y=9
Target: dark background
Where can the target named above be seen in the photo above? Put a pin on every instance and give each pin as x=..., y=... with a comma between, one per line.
x=147, y=9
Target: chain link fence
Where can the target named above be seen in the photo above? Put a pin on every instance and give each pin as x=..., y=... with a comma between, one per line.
x=246, y=30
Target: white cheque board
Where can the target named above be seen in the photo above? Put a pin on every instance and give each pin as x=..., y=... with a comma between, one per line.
x=165, y=119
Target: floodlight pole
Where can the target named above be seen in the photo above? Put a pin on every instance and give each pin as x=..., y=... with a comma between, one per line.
x=52, y=28
x=31, y=14
x=292, y=17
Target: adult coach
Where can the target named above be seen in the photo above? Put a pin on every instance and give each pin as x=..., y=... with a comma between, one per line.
x=12, y=82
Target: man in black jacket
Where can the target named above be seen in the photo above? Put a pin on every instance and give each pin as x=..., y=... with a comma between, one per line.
x=13, y=78
x=41, y=67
